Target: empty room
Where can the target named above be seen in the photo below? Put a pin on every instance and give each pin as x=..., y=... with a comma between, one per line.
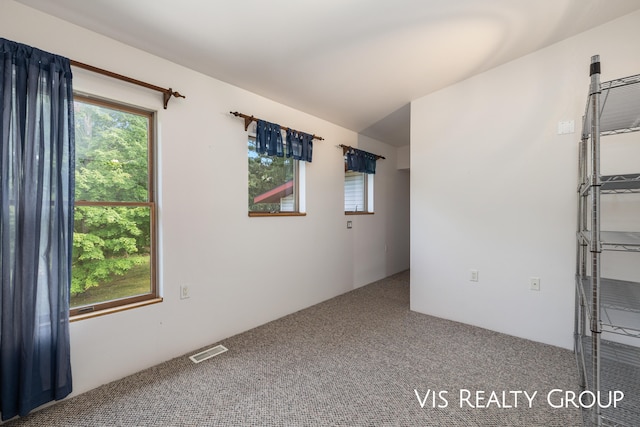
x=332, y=213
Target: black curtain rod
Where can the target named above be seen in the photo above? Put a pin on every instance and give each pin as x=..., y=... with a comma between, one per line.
x=348, y=147
x=249, y=119
x=166, y=93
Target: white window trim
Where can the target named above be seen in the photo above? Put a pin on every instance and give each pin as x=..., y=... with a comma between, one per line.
x=302, y=186
x=368, y=194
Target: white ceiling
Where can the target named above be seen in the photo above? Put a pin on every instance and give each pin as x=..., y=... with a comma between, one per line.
x=356, y=63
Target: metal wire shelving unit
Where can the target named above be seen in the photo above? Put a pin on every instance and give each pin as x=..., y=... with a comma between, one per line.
x=606, y=305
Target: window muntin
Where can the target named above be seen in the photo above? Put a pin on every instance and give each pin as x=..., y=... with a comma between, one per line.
x=113, y=262
x=273, y=182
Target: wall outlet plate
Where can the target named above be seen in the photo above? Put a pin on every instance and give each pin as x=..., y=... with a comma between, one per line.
x=534, y=283
x=184, y=292
x=566, y=127
x=349, y=224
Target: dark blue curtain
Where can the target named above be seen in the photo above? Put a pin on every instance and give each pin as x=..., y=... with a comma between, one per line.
x=361, y=161
x=269, y=139
x=36, y=227
x=299, y=145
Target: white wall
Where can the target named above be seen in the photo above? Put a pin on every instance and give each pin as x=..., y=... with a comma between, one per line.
x=381, y=241
x=493, y=187
x=404, y=157
x=206, y=238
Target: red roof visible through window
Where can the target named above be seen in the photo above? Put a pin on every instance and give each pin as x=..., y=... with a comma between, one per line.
x=274, y=195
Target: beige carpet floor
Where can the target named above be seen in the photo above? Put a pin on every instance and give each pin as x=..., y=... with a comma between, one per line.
x=360, y=359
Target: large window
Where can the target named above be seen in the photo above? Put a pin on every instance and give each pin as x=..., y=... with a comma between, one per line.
x=113, y=262
x=273, y=183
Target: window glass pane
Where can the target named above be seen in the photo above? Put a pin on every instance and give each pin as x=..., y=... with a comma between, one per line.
x=354, y=192
x=111, y=253
x=272, y=186
x=111, y=154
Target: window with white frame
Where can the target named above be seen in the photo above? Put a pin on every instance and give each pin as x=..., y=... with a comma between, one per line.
x=274, y=183
x=359, y=170
x=358, y=192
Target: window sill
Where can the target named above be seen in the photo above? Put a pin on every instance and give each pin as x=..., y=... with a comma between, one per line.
x=114, y=309
x=358, y=213
x=256, y=214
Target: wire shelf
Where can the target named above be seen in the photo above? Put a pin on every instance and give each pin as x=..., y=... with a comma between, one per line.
x=613, y=107
x=619, y=305
x=620, y=370
x=629, y=183
x=615, y=240
x=616, y=294
x=620, y=109
x=614, y=184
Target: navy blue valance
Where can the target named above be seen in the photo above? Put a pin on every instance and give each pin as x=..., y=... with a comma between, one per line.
x=269, y=141
x=299, y=145
x=361, y=161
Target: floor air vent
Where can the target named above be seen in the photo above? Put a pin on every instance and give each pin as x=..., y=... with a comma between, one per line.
x=208, y=353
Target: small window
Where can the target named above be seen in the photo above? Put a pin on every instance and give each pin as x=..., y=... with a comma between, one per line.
x=358, y=193
x=355, y=192
x=113, y=262
x=273, y=183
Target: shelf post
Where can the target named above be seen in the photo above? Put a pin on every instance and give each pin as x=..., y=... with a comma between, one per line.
x=595, y=247
x=581, y=255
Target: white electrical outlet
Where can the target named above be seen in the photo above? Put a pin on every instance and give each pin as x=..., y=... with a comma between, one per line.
x=534, y=283
x=566, y=127
x=474, y=276
x=184, y=292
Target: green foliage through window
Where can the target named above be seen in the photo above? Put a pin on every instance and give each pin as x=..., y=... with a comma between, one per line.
x=108, y=241
x=112, y=236
x=111, y=154
x=271, y=182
